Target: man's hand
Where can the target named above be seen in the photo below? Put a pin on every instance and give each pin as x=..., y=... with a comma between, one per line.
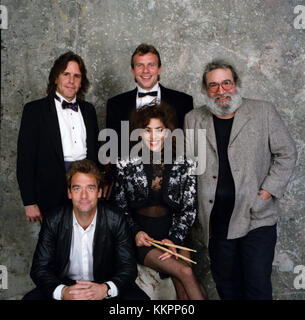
x=264, y=195
x=85, y=290
x=142, y=239
x=167, y=255
x=33, y=213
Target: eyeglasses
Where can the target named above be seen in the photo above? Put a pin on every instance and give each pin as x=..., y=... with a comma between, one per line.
x=226, y=85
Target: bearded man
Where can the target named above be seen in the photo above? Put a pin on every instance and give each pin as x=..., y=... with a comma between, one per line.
x=250, y=157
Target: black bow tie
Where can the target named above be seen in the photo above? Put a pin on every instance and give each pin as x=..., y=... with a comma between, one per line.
x=65, y=104
x=70, y=105
x=149, y=93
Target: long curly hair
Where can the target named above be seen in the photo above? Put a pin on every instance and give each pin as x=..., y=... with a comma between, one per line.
x=60, y=65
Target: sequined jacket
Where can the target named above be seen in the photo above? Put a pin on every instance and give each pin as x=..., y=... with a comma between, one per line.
x=132, y=191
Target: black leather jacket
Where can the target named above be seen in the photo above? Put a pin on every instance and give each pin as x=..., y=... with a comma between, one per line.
x=113, y=251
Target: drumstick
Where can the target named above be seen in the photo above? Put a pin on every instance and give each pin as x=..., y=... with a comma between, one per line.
x=173, y=253
x=174, y=246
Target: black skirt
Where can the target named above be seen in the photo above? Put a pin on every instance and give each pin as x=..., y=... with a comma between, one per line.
x=156, y=227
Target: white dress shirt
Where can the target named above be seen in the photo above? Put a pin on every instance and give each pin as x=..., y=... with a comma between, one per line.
x=80, y=266
x=72, y=131
x=148, y=99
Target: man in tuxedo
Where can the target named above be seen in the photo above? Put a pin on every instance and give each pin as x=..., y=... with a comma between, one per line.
x=54, y=132
x=84, y=250
x=146, y=68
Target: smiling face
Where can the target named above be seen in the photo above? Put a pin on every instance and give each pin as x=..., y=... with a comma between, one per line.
x=84, y=193
x=154, y=135
x=146, y=70
x=218, y=76
x=223, y=95
x=69, y=81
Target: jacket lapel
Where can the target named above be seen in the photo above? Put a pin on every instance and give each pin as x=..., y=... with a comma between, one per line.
x=88, y=126
x=132, y=100
x=84, y=114
x=52, y=122
x=164, y=95
x=65, y=237
x=99, y=240
x=242, y=116
x=148, y=175
x=208, y=124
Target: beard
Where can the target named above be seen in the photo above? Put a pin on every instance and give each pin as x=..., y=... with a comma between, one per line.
x=224, y=108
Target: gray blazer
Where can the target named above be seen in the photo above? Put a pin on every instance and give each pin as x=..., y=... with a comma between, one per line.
x=262, y=155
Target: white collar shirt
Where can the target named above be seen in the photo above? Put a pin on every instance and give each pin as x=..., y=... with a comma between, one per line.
x=81, y=252
x=80, y=266
x=72, y=131
x=148, y=99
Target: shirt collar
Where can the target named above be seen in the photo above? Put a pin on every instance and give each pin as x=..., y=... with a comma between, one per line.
x=154, y=88
x=92, y=224
x=62, y=98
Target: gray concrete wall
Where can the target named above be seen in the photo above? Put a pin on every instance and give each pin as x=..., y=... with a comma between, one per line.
x=257, y=35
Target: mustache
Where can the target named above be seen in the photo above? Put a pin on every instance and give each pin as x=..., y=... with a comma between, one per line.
x=224, y=107
x=222, y=96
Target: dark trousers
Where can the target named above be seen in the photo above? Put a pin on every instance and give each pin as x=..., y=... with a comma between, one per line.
x=241, y=268
x=133, y=292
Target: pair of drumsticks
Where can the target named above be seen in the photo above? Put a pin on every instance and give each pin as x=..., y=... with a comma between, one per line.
x=156, y=244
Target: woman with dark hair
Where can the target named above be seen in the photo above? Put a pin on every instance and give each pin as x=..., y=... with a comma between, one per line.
x=158, y=198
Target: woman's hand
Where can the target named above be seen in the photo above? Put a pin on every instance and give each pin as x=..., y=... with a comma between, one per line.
x=142, y=239
x=167, y=255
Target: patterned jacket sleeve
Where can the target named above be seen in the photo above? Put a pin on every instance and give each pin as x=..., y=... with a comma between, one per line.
x=121, y=199
x=184, y=218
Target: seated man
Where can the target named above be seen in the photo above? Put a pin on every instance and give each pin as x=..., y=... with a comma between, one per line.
x=84, y=252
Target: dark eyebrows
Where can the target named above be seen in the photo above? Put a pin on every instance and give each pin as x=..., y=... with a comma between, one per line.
x=160, y=127
x=221, y=81
x=89, y=185
x=75, y=74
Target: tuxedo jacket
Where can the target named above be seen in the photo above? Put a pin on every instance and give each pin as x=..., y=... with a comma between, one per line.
x=40, y=161
x=120, y=106
x=113, y=250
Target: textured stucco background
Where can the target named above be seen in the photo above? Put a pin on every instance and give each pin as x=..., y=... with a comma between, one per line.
x=257, y=35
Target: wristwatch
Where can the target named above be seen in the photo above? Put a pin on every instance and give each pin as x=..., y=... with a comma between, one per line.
x=108, y=289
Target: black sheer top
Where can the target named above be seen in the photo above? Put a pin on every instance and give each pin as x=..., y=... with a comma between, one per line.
x=155, y=206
